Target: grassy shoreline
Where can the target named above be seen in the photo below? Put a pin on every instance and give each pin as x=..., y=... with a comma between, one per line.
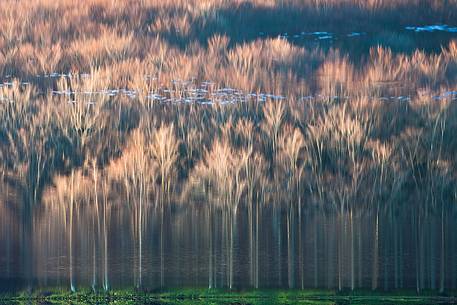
x=219, y=296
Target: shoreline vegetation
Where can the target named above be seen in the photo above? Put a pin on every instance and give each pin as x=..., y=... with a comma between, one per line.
x=219, y=296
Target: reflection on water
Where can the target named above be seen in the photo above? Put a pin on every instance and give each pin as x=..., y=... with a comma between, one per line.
x=112, y=246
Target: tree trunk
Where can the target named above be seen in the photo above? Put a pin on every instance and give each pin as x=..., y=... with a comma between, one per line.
x=210, y=257
x=352, y=253
x=374, y=282
x=105, y=243
x=443, y=248
x=72, y=283
x=315, y=254
x=162, y=262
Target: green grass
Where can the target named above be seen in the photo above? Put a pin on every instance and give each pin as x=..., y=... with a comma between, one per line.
x=223, y=297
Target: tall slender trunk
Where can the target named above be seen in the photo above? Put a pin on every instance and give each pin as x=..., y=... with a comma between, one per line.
x=27, y=249
x=315, y=265
x=105, y=242
x=422, y=254
x=396, y=255
x=290, y=267
x=224, y=258
x=251, y=244
x=432, y=227
x=94, y=233
x=8, y=247
x=257, y=247
x=278, y=229
x=400, y=247
x=162, y=262
x=94, y=257
x=330, y=234
x=140, y=243
x=442, y=259
x=359, y=247
x=374, y=282
x=416, y=241
x=227, y=248
x=196, y=244
x=340, y=250
x=210, y=257
x=453, y=246
x=386, y=255
x=453, y=270
x=232, y=241
x=72, y=283
x=352, y=252
x=63, y=210
x=300, y=249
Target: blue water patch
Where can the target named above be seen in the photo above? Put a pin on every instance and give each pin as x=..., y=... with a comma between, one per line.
x=432, y=28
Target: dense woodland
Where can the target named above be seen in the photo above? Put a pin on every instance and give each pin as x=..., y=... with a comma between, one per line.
x=278, y=117
x=148, y=107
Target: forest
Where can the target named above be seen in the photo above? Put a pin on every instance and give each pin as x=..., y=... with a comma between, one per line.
x=273, y=143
